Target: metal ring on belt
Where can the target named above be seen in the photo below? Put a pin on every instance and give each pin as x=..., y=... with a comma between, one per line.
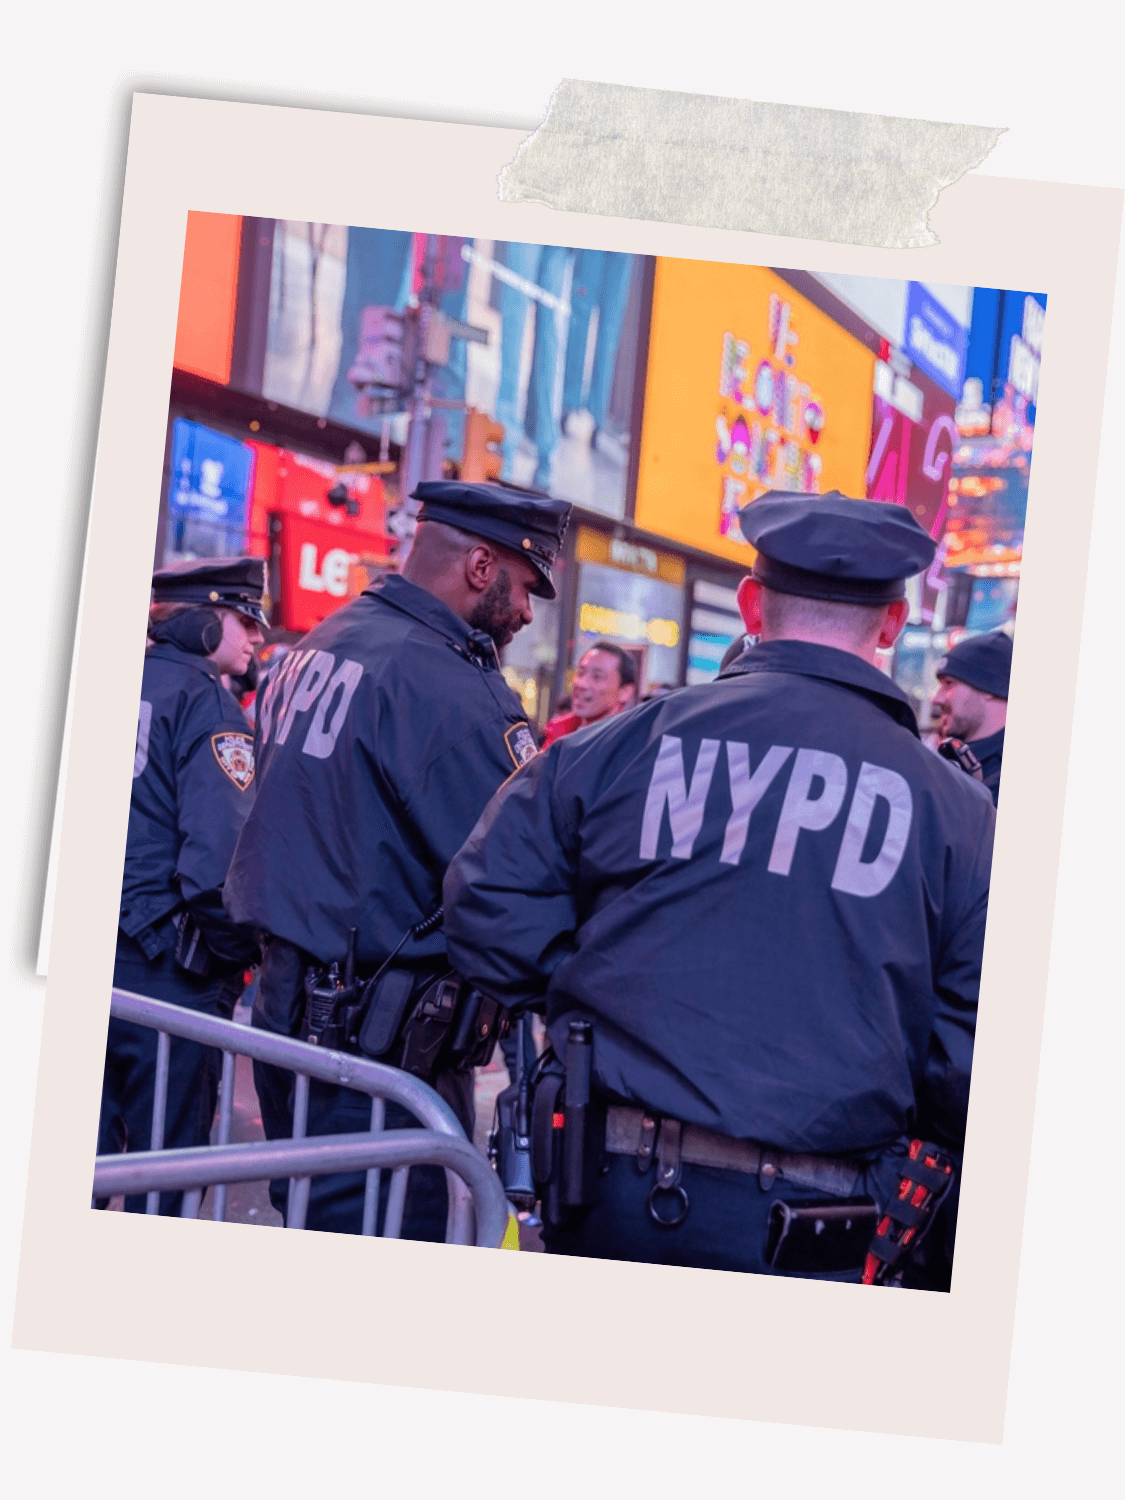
x=678, y=1191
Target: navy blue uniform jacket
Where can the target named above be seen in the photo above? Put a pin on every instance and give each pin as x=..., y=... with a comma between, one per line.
x=379, y=742
x=193, y=781
x=765, y=892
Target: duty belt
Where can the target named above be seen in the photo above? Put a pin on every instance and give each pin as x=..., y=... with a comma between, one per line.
x=632, y=1132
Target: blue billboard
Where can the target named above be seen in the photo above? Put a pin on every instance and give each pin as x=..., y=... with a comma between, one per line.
x=935, y=341
x=211, y=476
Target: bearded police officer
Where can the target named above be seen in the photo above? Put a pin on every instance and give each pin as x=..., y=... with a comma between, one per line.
x=193, y=779
x=972, y=699
x=379, y=740
x=756, y=908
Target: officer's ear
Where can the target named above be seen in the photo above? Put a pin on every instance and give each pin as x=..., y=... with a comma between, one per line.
x=749, y=596
x=480, y=567
x=895, y=618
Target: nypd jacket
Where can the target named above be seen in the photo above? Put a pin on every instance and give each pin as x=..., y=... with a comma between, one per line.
x=193, y=779
x=765, y=893
x=379, y=742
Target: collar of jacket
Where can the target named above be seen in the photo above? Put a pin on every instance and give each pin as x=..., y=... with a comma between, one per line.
x=475, y=645
x=165, y=651
x=809, y=660
x=991, y=744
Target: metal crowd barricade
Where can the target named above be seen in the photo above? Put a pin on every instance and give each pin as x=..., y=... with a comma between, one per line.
x=473, y=1186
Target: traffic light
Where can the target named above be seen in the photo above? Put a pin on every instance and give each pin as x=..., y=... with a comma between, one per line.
x=480, y=458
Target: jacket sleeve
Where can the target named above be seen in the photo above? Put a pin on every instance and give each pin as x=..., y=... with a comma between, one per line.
x=945, y=1102
x=510, y=907
x=215, y=790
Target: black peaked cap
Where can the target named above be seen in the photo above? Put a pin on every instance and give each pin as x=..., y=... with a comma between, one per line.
x=830, y=547
x=523, y=521
x=232, y=582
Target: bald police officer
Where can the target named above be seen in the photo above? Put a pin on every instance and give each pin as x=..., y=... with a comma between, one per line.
x=379, y=741
x=972, y=699
x=757, y=909
x=193, y=784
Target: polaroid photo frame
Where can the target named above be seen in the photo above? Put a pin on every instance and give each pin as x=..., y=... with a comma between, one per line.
x=746, y=1347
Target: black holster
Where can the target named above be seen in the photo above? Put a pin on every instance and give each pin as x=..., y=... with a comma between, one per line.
x=567, y=1129
x=425, y=1023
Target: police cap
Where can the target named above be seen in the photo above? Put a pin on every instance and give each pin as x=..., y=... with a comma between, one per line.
x=523, y=521
x=830, y=547
x=983, y=662
x=237, y=583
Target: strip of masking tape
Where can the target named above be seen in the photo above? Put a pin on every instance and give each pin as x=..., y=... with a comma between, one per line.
x=814, y=174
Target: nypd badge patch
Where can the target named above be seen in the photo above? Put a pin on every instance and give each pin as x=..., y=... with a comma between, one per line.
x=235, y=754
x=521, y=744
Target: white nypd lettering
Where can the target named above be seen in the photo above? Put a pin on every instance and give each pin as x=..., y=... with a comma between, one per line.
x=317, y=674
x=668, y=788
x=852, y=874
x=322, y=736
x=144, y=729
x=747, y=791
x=288, y=687
x=268, y=700
x=799, y=810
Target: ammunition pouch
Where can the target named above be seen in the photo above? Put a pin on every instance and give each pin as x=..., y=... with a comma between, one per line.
x=926, y=1175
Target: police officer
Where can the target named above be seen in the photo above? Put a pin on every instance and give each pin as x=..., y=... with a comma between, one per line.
x=193, y=780
x=972, y=699
x=768, y=900
x=380, y=739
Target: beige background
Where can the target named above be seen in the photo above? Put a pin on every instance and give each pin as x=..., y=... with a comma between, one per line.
x=163, y=1290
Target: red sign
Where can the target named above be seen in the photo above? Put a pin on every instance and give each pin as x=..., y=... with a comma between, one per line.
x=318, y=562
x=324, y=554
x=913, y=436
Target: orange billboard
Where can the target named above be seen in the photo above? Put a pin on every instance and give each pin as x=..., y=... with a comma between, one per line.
x=208, y=295
x=749, y=388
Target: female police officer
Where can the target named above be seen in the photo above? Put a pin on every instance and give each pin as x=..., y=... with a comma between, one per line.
x=193, y=777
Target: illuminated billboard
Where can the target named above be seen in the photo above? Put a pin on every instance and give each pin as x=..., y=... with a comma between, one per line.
x=749, y=388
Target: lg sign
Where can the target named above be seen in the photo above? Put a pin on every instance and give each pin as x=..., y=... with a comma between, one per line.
x=318, y=559
x=329, y=574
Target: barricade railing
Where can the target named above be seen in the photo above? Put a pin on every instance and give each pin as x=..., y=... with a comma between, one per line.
x=472, y=1185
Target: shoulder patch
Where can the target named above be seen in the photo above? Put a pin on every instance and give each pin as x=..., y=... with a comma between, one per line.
x=521, y=744
x=235, y=753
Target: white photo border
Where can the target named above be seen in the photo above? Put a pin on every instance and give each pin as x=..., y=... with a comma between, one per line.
x=612, y=1334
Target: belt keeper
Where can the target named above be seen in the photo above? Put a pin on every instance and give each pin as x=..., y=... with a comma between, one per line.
x=668, y=1154
x=767, y=1170
x=645, y=1143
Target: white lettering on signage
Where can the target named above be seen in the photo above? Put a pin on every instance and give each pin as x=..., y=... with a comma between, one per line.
x=941, y=355
x=668, y=789
x=331, y=577
x=853, y=875
x=626, y=555
x=211, y=478
x=1023, y=368
x=1033, y=320
x=144, y=728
